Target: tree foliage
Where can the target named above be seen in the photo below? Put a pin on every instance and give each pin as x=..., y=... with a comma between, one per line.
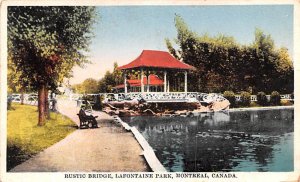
x=110, y=80
x=223, y=64
x=45, y=42
x=88, y=86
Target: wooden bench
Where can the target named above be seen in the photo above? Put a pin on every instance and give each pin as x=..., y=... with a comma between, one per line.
x=87, y=121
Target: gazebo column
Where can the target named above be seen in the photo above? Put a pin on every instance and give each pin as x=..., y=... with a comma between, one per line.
x=142, y=80
x=168, y=86
x=165, y=81
x=185, y=81
x=125, y=82
x=148, y=81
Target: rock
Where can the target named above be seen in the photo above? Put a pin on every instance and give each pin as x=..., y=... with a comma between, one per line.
x=221, y=105
x=149, y=112
x=169, y=112
x=183, y=112
x=123, y=113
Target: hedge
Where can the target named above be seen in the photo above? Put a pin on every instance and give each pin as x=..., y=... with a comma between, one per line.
x=229, y=95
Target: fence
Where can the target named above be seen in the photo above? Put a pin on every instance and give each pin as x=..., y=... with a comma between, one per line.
x=254, y=97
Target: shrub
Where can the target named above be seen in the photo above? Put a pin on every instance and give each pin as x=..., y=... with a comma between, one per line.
x=286, y=103
x=275, y=98
x=229, y=95
x=98, y=103
x=262, y=99
x=95, y=100
x=245, y=99
x=254, y=104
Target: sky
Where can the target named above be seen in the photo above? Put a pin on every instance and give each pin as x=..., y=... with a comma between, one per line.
x=123, y=32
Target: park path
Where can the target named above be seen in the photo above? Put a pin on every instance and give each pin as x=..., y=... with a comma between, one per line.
x=108, y=148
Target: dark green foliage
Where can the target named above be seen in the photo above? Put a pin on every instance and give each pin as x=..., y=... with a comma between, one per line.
x=245, y=99
x=94, y=100
x=275, y=98
x=223, y=64
x=98, y=103
x=262, y=99
x=106, y=84
x=229, y=95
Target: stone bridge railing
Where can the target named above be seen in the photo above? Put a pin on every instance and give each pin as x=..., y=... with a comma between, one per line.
x=163, y=96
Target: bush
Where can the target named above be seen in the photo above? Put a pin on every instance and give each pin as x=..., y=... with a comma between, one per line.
x=95, y=100
x=245, y=99
x=262, y=99
x=254, y=104
x=286, y=103
x=275, y=98
x=229, y=95
x=98, y=103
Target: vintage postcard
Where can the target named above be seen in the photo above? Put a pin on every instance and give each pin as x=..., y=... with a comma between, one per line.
x=150, y=90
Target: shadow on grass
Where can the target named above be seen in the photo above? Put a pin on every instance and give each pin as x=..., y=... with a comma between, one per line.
x=15, y=156
x=69, y=126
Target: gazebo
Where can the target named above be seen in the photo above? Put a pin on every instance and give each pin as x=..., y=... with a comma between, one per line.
x=153, y=60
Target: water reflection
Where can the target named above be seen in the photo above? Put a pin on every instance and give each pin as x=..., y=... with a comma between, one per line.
x=233, y=141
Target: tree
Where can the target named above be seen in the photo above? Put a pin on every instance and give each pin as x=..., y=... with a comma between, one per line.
x=90, y=86
x=110, y=80
x=117, y=74
x=284, y=67
x=77, y=88
x=45, y=42
x=223, y=64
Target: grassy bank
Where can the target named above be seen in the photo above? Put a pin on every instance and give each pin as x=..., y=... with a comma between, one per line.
x=25, y=138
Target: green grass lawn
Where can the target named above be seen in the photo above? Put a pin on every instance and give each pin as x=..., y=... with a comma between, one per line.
x=25, y=138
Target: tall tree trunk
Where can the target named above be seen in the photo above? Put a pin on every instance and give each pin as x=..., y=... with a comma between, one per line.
x=47, y=113
x=41, y=104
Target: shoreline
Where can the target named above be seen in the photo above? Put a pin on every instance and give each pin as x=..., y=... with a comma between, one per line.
x=260, y=108
x=148, y=152
x=186, y=113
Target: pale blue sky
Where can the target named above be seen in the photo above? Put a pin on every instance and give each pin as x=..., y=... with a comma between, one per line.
x=122, y=32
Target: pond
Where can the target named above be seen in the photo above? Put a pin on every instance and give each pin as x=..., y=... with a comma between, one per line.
x=222, y=141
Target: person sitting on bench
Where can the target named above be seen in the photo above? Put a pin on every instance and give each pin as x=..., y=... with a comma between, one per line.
x=89, y=117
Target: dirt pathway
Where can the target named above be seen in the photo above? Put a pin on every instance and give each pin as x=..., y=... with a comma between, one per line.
x=107, y=149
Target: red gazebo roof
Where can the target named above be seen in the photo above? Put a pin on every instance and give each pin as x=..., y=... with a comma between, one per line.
x=156, y=59
x=154, y=80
